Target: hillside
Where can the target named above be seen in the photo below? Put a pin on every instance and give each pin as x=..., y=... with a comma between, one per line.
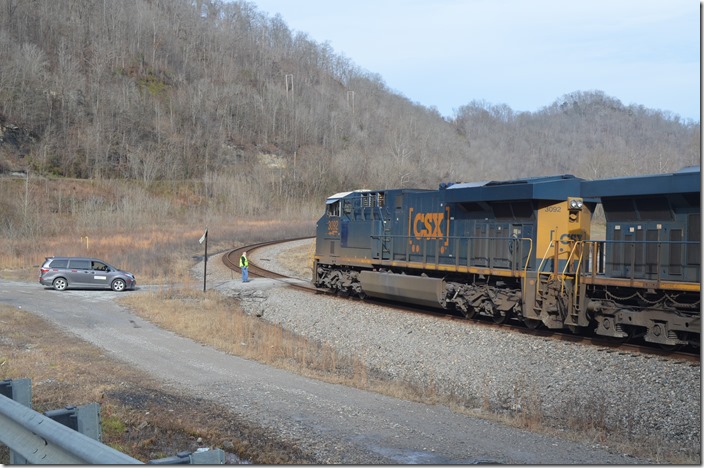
x=223, y=94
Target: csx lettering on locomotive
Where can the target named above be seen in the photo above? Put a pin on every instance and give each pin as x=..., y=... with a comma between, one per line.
x=428, y=225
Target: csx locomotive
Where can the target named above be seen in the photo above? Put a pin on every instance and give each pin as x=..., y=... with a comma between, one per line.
x=522, y=250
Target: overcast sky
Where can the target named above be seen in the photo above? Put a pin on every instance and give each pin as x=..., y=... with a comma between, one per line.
x=523, y=53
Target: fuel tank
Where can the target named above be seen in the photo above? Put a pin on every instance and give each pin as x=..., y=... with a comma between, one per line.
x=420, y=290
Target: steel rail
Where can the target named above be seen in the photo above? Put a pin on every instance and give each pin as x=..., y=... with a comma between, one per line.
x=231, y=260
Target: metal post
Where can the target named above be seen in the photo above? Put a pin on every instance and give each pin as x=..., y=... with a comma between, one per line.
x=19, y=390
x=84, y=419
x=204, y=238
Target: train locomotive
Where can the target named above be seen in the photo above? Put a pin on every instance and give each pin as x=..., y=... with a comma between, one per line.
x=522, y=250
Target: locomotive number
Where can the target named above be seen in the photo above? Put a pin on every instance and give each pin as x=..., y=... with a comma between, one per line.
x=333, y=227
x=553, y=209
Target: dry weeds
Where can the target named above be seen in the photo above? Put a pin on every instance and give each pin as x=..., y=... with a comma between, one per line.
x=139, y=417
x=153, y=234
x=218, y=321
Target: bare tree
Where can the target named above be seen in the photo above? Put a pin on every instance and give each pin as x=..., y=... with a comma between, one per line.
x=183, y=90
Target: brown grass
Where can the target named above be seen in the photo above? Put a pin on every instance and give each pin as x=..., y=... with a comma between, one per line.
x=218, y=321
x=139, y=417
x=158, y=245
x=159, y=249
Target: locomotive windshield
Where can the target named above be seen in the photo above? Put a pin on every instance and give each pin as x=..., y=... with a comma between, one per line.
x=333, y=208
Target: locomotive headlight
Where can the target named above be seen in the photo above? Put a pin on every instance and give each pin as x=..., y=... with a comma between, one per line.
x=576, y=204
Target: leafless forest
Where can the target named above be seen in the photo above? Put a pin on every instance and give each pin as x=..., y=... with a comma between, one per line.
x=227, y=108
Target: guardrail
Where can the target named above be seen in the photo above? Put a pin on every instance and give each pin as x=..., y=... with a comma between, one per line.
x=41, y=440
x=36, y=438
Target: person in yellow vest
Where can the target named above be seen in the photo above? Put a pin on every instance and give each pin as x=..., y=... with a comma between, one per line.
x=244, y=266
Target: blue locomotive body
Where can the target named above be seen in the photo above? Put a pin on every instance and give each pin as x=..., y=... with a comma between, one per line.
x=451, y=247
x=522, y=250
x=646, y=274
x=653, y=225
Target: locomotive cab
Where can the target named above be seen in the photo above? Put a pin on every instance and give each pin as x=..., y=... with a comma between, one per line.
x=353, y=235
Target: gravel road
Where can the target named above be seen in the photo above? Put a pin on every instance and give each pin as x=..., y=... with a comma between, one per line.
x=344, y=425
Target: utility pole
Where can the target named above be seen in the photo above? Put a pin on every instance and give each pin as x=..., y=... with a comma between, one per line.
x=26, y=194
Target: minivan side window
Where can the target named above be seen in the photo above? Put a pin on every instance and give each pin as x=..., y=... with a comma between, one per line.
x=58, y=263
x=80, y=264
x=100, y=266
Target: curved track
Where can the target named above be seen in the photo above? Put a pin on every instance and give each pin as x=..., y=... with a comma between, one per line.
x=231, y=260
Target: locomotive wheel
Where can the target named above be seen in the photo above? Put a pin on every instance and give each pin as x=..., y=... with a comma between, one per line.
x=619, y=339
x=466, y=310
x=500, y=317
x=671, y=348
x=532, y=323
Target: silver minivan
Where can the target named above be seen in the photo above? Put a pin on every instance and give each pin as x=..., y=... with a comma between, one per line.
x=81, y=272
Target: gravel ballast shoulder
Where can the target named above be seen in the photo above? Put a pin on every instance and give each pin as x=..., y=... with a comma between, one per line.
x=637, y=397
x=496, y=375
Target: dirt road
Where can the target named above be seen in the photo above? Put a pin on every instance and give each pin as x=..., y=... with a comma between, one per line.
x=338, y=424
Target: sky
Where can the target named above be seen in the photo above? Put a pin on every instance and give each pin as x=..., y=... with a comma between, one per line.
x=522, y=53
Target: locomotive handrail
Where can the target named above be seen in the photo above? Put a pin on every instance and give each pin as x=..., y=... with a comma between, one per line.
x=530, y=252
x=525, y=268
x=519, y=263
x=567, y=265
x=515, y=258
x=545, y=256
x=650, y=271
x=575, y=296
x=540, y=271
x=598, y=254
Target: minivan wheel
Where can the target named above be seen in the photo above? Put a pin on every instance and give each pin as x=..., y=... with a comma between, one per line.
x=60, y=284
x=118, y=285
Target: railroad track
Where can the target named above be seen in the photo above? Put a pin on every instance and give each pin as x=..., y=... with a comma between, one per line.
x=231, y=260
